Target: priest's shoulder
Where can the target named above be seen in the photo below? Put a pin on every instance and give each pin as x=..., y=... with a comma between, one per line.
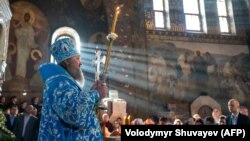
x=48, y=70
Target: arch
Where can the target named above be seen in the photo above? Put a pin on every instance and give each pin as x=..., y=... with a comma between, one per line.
x=202, y=101
x=66, y=31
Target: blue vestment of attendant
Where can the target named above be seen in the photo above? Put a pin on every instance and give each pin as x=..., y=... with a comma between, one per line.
x=68, y=110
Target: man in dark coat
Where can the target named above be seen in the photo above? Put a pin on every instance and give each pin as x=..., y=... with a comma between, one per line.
x=26, y=128
x=236, y=118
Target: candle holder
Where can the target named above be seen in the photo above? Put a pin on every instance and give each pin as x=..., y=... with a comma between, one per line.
x=108, y=54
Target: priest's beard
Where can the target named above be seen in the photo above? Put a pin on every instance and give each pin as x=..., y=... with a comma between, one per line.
x=77, y=74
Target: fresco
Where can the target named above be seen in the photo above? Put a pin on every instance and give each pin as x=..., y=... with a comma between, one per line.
x=28, y=38
x=182, y=71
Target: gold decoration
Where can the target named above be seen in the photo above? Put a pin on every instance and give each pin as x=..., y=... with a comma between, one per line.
x=117, y=11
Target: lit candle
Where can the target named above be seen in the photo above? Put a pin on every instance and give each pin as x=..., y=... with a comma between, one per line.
x=105, y=69
x=129, y=120
x=124, y=120
x=117, y=11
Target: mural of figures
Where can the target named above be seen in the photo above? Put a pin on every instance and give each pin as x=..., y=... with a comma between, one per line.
x=99, y=39
x=183, y=68
x=28, y=40
x=212, y=73
x=184, y=71
x=156, y=70
x=161, y=73
x=211, y=63
x=198, y=73
x=235, y=80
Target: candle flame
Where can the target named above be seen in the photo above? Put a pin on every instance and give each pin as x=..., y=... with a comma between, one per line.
x=129, y=117
x=118, y=8
x=128, y=120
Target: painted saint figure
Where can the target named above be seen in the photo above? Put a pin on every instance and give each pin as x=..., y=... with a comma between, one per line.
x=25, y=35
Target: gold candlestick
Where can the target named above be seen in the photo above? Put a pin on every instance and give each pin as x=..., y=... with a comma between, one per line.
x=110, y=44
x=105, y=69
x=117, y=11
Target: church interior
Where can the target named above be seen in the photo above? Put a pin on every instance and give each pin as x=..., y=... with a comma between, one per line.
x=172, y=58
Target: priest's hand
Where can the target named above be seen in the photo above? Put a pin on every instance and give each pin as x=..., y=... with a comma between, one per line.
x=101, y=88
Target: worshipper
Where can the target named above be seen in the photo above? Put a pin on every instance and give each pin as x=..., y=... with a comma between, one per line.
x=196, y=116
x=149, y=121
x=209, y=120
x=189, y=121
x=236, y=118
x=165, y=121
x=137, y=121
x=117, y=129
x=68, y=110
x=216, y=113
x=26, y=126
x=222, y=120
x=13, y=101
x=244, y=110
x=22, y=106
x=117, y=126
x=177, y=121
x=106, y=122
x=199, y=121
x=2, y=102
x=11, y=118
x=35, y=101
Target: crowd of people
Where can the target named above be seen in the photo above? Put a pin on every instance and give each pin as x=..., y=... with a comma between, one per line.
x=238, y=116
x=19, y=114
x=22, y=118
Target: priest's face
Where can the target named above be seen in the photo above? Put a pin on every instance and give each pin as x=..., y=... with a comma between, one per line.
x=73, y=66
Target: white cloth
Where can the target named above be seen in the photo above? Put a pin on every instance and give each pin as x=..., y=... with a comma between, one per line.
x=112, y=36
